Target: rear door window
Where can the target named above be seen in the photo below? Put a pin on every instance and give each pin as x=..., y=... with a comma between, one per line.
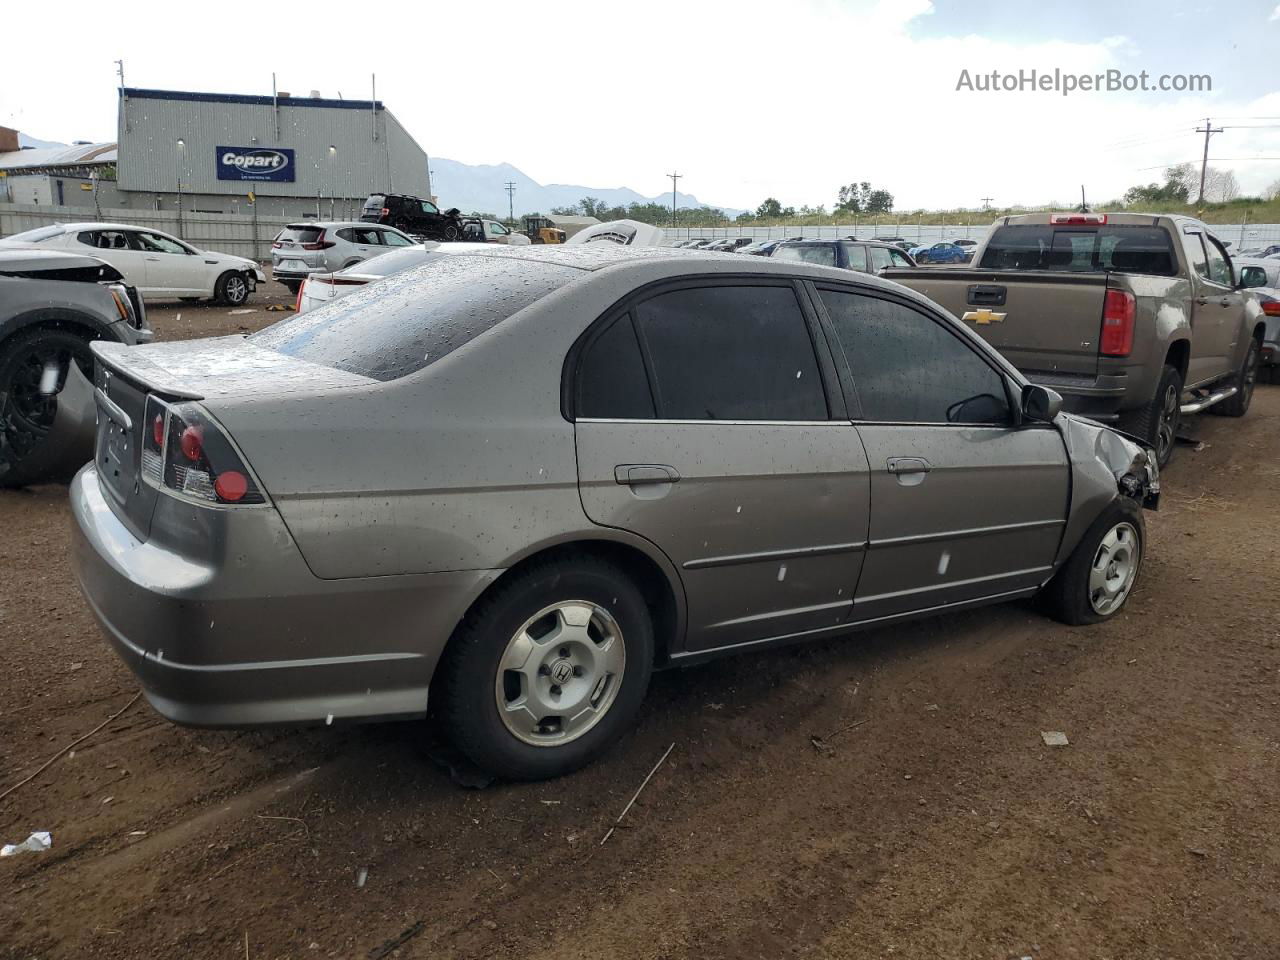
x=823, y=254
x=856, y=254
x=880, y=258
x=908, y=368
x=730, y=353
x=612, y=383
x=392, y=328
x=393, y=239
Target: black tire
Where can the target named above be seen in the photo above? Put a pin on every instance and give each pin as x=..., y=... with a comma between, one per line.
x=468, y=677
x=1245, y=381
x=25, y=413
x=451, y=232
x=1157, y=421
x=1066, y=597
x=232, y=289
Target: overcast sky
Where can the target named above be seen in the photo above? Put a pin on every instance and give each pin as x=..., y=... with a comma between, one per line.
x=746, y=99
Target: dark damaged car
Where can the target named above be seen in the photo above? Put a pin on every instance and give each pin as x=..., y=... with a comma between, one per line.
x=507, y=485
x=53, y=304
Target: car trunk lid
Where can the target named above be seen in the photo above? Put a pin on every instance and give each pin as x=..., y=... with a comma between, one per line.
x=126, y=377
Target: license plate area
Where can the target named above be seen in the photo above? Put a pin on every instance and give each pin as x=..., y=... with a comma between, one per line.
x=118, y=452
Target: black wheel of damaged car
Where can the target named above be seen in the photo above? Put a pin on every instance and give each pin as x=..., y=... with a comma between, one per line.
x=548, y=670
x=33, y=363
x=1099, y=576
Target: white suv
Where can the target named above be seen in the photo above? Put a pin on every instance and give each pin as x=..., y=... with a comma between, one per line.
x=301, y=249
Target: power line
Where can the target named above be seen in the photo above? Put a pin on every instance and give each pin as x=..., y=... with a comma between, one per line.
x=1208, y=130
x=674, y=177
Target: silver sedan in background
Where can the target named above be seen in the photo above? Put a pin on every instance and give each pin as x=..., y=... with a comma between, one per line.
x=513, y=482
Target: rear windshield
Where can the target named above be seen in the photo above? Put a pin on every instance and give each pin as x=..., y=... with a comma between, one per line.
x=399, y=325
x=301, y=234
x=1042, y=246
x=375, y=202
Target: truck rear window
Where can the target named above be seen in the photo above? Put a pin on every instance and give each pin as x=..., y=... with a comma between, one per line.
x=396, y=326
x=1111, y=247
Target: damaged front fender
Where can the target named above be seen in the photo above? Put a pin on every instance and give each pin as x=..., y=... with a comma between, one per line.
x=1105, y=464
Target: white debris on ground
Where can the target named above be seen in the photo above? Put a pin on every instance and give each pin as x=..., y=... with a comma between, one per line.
x=1053, y=738
x=38, y=842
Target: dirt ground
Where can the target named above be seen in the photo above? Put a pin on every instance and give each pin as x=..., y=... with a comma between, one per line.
x=940, y=827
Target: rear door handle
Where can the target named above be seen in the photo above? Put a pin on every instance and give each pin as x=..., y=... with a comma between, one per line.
x=907, y=465
x=637, y=474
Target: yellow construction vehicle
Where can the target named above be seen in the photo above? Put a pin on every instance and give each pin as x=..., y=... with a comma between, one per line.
x=542, y=230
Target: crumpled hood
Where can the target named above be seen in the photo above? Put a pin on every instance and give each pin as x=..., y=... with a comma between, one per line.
x=221, y=367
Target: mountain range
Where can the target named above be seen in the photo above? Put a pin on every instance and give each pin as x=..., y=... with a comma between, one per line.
x=482, y=187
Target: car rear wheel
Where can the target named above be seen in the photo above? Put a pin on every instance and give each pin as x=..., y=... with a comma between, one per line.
x=1100, y=574
x=26, y=409
x=548, y=670
x=232, y=289
x=1245, y=381
x=1158, y=421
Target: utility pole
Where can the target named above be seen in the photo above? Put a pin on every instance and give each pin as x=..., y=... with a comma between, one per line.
x=986, y=203
x=511, y=204
x=1208, y=130
x=674, y=177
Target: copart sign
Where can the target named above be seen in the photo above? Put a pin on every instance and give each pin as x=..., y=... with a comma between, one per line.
x=255, y=163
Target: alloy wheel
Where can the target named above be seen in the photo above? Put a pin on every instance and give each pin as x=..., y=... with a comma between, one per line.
x=560, y=673
x=1114, y=568
x=237, y=290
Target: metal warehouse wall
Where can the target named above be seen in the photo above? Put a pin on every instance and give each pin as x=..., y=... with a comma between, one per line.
x=150, y=160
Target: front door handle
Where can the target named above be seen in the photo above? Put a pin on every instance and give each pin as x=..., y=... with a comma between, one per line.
x=638, y=474
x=907, y=465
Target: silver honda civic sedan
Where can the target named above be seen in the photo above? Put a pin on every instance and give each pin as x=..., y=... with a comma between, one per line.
x=511, y=483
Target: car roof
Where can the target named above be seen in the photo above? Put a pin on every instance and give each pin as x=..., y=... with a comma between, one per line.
x=17, y=258
x=609, y=256
x=326, y=224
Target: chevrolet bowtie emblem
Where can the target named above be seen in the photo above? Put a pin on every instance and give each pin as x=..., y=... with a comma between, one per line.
x=984, y=316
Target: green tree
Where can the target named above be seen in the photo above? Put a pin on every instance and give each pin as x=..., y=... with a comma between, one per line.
x=771, y=208
x=878, y=201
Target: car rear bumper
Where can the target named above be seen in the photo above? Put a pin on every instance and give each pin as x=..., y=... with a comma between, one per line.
x=246, y=635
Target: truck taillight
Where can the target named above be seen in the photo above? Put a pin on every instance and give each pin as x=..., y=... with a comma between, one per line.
x=186, y=452
x=1118, y=315
x=1082, y=219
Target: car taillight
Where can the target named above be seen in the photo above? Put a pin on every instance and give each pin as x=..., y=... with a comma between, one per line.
x=1271, y=308
x=1118, y=315
x=1078, y=218
x=386, y=211
x=320, y=243
x=186, y=452
x=276, y=245
x=297, y=304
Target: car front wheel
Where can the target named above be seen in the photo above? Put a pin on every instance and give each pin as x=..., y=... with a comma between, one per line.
x=1099, y=576
x=232, y=289
x=548, y=670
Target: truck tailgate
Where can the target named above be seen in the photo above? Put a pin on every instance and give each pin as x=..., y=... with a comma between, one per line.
x=1042, y=322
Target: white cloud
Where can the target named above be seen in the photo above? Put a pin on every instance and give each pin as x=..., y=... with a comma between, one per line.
x=1275, y=15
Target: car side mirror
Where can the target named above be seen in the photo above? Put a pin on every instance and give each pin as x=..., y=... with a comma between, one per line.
x=1040, y=404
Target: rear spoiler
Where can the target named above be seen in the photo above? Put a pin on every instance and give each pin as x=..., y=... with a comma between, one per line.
x=125, y=361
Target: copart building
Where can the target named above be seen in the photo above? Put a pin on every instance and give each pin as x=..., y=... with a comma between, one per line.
x=275, y=156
